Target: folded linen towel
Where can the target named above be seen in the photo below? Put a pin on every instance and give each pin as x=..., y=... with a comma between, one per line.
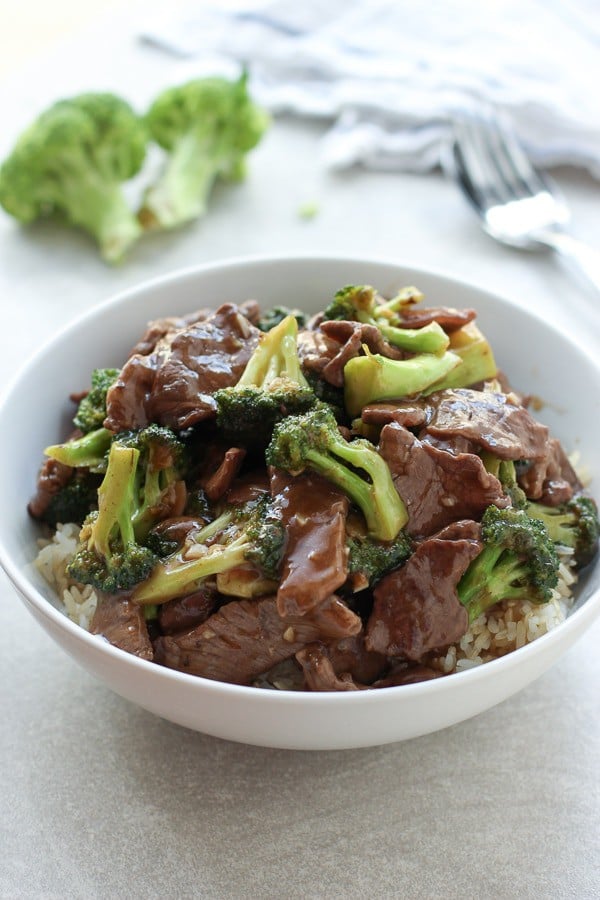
x=391, y=75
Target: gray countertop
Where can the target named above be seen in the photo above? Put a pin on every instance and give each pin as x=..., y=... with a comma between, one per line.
x=99, y=798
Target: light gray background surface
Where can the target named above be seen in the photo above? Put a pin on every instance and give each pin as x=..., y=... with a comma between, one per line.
x=101, y=799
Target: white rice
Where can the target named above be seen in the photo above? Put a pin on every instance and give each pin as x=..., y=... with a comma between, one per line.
x=506, y=627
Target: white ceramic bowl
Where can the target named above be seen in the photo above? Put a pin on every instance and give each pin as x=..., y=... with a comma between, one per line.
x=36, y=406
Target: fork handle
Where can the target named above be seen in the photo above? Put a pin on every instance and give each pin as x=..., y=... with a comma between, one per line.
x=571, y=249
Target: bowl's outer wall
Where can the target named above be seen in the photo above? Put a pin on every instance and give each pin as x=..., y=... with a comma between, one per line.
x=536, y=358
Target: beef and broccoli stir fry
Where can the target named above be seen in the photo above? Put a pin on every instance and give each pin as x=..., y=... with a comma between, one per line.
x=345, y=496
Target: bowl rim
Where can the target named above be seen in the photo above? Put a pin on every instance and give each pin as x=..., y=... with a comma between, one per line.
x=577, y=619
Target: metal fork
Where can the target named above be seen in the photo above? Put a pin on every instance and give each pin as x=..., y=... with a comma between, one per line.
x=517, y=204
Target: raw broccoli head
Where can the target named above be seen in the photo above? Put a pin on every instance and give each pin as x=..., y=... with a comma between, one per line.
x=71, y=161
x=313, y=441
x=573, y=524
x=109, y=556
x=91, y=411
x=272, y=387
x=518, y=562
x=207, y=126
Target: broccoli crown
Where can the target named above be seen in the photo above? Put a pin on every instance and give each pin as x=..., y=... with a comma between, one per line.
x=313, y=441
x=109, y=556
x=573, y=524
x=373, y=559
x=361, y=303
x=277, y=314
x=74, y=501
x=252, y=533
x=518, y=562
x=91, y=411
x=71, y=161
x=272, y=386
x=207, y=126
x=88, y=451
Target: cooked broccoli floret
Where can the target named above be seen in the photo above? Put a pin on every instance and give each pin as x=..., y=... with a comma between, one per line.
x=91, y=411
x=72, y=161
x=518, y=562
x=272, y=386
x=207, y=127
x=277, y=314
x=369, y=559
x=109, y=556
x=88, y=451
x=360, y=303
x=314, y=441
x=572, y=524
x=74, y=501
x=161, y=466
x=252, y=533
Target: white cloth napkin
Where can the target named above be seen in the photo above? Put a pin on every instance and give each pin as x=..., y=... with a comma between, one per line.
x=390, y=75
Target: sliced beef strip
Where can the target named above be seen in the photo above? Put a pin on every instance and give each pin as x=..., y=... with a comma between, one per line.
x=411, y=673
x=121, y=622
x=315, y=558
x=416, y=608
x=185, y=613
x=250, y=486
x=158, y=329
x=448, y=318
x=52, y=478
x=552, y=479
x=321, y=673
x=340, y=665
x=248, y=637
x=219, y=482
x=489, y=420
x=174, y=385
x=437, y=487
x=410, y=413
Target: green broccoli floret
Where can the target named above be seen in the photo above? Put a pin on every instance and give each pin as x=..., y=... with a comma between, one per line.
x=314, y=441
x=74, y=501
x=109, y=556
x=251, y=533
x=277, y=314
x=207, y=126
x=360, y=303
x=163, y=461
x=272, y=386
x=88, y=451
x=518, y=562
x=370, y=559
x=91, y=411
x=572, y=524
x=72, y=161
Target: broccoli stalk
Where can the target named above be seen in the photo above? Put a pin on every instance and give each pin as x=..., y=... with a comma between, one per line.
x=252, y=533
x=207, y=127
x=504, y=470
x=359, y=303
x=372, y=377
x=313, y=441
x=272, y=386
x=71, y=162
x=88, y=451
x=477, y=361
x=518, y=562
x=573, y=524
x=109, y=556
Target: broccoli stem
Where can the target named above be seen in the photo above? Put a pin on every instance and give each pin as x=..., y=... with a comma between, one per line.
x=181, y=194
x=430, y=339
x=116, y=501
x=176, y=577
x=87, y=451
x=477, y=361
